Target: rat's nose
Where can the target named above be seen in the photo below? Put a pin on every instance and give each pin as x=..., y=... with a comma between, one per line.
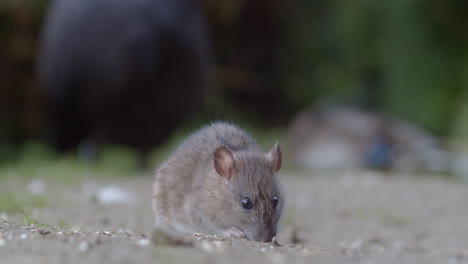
x=265, y=236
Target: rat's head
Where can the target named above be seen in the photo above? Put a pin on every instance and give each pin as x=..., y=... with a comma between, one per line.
x=256, y=199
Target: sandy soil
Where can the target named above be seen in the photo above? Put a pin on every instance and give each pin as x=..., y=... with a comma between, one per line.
x=352, y=218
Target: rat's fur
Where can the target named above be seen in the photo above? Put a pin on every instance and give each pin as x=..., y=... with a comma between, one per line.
x=190, y=195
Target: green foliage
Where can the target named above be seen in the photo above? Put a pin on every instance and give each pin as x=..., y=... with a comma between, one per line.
x=416, y=47
x=36, y=160
x=28, y=219
x=15, y=203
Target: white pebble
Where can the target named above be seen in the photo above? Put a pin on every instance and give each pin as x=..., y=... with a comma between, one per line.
x=143, y=242
x=4, y=217
x=23, y=236
x=37, y=187
x=218, y=244
x=83, y=246
x=113, y=195
x=60, y=233
x=207, y=246
x=263, y=249
x=2, y=242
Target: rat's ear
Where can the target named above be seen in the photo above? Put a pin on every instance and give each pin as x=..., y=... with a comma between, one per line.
x=224, y=162
x=275, y=157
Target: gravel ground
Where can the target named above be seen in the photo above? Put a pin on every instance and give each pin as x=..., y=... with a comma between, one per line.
x=350, y=218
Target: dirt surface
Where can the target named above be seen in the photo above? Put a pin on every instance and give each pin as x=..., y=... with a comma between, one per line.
x=352, y=218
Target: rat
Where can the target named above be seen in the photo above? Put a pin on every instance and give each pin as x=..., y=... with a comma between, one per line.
x=220, y=182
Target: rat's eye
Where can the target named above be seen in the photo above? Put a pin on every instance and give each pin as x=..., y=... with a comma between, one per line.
x=246, y=203
x=275, y=201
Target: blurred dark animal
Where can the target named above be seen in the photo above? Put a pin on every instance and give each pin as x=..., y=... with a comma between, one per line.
x=343, y=138
x=122, y=72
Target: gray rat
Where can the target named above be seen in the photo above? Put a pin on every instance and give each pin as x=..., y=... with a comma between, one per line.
x=220, y=182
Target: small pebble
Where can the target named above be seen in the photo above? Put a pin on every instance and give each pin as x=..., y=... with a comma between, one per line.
x=59, y=233
x=263, y=249
x=218, y=244
x=144, y=242
x=23, y=236
x=113, y=195
x=83, y=246
x=37, y=187
x=4, y=217
x=198, y=236
x=207, y=246
x=44, y=232
x=305, y=252
x=2, y=242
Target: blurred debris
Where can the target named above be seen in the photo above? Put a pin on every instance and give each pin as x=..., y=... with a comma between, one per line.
x=207, y=246
x=213, y=245
x=44, y=232
x=37, y=187
x=113, y=195
x=4, y=217
x=338, y=138
x=83, y=246
x=144, y=242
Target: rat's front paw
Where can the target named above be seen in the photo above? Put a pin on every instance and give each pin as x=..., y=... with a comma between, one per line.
x=233, y=232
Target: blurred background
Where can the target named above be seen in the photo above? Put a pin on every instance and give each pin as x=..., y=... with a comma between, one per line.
x=342, y=85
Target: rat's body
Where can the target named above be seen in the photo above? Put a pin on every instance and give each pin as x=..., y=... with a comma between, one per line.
x=218, y=181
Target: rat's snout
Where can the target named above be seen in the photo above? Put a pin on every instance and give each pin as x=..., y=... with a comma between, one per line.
x=267, y=238
x=262, y=235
